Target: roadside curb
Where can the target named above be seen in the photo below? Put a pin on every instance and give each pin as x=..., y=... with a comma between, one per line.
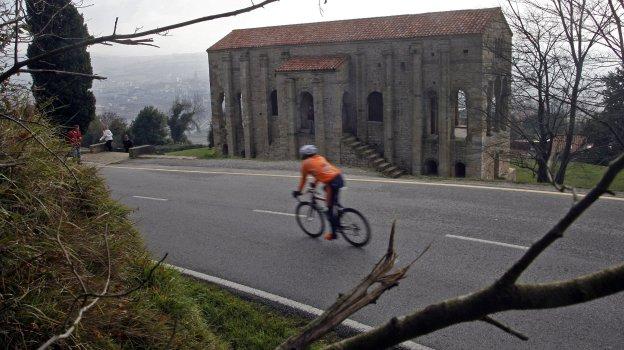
x=164, y=156
x=347, y=328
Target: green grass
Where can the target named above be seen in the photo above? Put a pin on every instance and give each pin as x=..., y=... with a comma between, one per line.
x=230, y=321
x=202, y=153
x=579, y=175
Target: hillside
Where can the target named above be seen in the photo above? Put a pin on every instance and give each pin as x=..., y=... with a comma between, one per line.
x=134, y=82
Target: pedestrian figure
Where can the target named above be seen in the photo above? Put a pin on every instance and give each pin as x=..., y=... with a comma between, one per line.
x=107, y=136
x=74, y=137
x=127, y=143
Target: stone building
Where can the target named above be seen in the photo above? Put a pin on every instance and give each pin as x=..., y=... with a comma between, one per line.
x=427, y=92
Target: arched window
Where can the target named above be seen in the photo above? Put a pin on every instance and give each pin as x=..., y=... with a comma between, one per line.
x=496, y=105
x=239, y=144
x=274, y=102
x=461, y=109
x=375, y=107
x=221, y=103
x=491, y=101
x=431, y=167
x=239, y=103
x=306, y=113
x=433, y=113
x=503, y=102
x=461, y=115
x=460, y=169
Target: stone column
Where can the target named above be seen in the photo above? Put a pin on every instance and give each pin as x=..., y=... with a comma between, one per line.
x=229, y=103
x=477, y=104
x=290, y=117
x=262, y=124
x=319, y=114
x=388, y=104
x=417, y=109
x=444, y=112
x=333, y=121
x=361, y=106
x=217, y=122
x=248, y=126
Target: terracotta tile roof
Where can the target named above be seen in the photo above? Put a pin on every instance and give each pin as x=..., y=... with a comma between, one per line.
x=392, y=27
x=312, y=63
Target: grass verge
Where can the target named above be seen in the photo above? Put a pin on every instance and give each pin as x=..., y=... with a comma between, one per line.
x=578, y=175
x=202, y=153
x=57, y=223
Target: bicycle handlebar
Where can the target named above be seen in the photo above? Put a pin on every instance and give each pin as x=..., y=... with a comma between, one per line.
x=310, y=189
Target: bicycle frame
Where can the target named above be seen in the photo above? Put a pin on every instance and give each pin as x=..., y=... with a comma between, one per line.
x=340, y=211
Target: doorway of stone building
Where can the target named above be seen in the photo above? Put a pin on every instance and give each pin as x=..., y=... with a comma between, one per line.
x=306, y=113
x=460, y=169
x=349, y=124
x=496, y=166
x=431, y=167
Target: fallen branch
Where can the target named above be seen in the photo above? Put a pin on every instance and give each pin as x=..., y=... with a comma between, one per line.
x=382, y=278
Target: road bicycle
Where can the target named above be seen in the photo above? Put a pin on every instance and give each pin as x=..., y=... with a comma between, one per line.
x=310, y=217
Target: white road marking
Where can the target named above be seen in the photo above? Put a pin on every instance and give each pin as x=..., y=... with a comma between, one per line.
x=488, y=242
x=360, y=327
x=152, y=198
x=273, y=212
x=371, y=180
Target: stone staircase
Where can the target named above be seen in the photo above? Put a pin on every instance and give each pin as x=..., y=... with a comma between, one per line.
x=369, y=156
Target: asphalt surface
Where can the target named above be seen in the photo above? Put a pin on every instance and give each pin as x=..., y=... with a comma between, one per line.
x=203, y=215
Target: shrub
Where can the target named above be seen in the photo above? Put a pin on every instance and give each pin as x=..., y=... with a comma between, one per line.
x=149, y=127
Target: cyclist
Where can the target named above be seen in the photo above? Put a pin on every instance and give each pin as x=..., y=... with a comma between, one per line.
x=322, y=171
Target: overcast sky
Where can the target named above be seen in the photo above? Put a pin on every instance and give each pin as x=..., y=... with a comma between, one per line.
x=100, y=17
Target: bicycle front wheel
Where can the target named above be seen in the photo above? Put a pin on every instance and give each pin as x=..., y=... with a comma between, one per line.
x=310, y=219
x=354, y=227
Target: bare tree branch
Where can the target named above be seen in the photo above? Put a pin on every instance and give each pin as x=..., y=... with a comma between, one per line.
x=504, y=294
x=127, y=39
x=63, y=72
x=86, y=307
x=504, y=328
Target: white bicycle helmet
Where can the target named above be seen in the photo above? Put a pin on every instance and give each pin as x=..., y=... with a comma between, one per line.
x=308, y=150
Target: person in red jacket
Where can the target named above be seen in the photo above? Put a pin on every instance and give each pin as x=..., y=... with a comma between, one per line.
x=324, y=172
x=74, y=137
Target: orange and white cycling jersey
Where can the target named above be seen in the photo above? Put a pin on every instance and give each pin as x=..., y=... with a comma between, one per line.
x=318, y=167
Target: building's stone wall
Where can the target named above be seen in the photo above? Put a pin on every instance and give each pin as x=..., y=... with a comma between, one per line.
x=406, y=72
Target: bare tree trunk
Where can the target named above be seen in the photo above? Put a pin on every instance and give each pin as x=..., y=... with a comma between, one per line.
x=572, y=15
x=565, y=156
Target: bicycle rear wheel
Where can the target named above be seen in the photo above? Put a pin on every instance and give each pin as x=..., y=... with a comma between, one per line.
x=310, y=219
x=354, y=227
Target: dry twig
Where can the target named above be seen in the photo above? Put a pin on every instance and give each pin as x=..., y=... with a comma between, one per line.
x=381, y=279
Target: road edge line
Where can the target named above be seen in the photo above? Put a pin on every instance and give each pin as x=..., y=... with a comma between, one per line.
x=272, y=299
x=372, y=180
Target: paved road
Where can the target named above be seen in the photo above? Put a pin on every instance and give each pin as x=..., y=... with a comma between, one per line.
x=205, y=218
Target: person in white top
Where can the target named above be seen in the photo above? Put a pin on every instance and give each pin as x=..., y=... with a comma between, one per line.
x=107, y=136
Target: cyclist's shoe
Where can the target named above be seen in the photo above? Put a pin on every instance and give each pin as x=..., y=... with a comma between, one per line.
x=330, y=236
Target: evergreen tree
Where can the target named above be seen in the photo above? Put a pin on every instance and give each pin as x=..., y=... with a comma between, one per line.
x=181, y=120
x=66, y=99
x=149, y=127
x=606, y=129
